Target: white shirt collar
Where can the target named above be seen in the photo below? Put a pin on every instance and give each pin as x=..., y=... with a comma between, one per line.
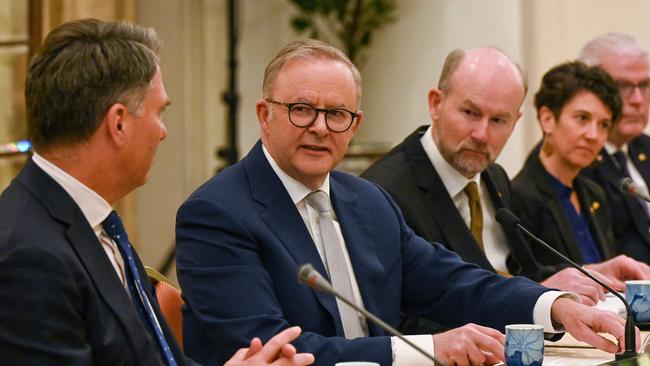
x=297, y=190
x=94, y=208
x=611, y=148
x=451, y=178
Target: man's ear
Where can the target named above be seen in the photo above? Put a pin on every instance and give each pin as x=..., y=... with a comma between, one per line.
x=263, y=112
x=116, y=120
x=357, y=121
x=546, y=119
x=435, y=101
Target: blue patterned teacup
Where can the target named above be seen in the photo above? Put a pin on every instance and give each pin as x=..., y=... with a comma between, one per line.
x=637, y=294
x=524, y=345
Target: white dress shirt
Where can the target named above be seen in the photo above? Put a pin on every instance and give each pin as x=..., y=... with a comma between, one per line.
x=94, y=208
x=494, y=240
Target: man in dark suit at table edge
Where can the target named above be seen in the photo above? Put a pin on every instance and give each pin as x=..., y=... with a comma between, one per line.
x=73, y=289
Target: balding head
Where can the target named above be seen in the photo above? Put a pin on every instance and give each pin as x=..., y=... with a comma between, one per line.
x=475, y=107
x=485, y=62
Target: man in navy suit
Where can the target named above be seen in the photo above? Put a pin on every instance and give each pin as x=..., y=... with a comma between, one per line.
x=243, y=234
x=627, y=150
x=69, y=290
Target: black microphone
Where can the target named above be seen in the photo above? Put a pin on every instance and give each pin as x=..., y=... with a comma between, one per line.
x=307, y=275
x=627, y=186
x=506, y=218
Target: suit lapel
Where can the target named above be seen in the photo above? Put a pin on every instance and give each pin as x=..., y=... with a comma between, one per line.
x=441, y=206
x=84, y=242
x=640, y=158
x=357, y=233
x=613, y=175
x=282, y=217
x=541, y=180
x=589, y=207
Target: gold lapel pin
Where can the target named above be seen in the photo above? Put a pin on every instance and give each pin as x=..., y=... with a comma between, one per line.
x=642, y=157
x=594, y=206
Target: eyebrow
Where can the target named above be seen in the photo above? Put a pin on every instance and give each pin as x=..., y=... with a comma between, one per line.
x=305, y=101
x=471, y=104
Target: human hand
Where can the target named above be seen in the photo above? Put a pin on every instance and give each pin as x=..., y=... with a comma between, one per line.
x=572, y=280
x=277, y=352
x=620, y=269
x=470, y=344
x=585, y=322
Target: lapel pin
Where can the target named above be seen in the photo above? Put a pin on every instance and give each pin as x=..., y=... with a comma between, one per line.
x=642, y=157
x=594, y=206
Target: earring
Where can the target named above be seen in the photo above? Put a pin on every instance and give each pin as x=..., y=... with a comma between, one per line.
x=547, y=149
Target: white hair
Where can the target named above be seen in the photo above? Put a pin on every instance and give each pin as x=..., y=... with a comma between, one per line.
x=617, y=43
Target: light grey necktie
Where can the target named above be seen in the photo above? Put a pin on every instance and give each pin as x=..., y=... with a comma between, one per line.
x=335, y=263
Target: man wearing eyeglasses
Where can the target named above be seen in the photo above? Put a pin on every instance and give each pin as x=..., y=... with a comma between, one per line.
x=627, y=150
x=242, y=236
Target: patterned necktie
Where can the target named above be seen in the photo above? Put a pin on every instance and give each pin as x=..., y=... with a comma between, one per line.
x=114, y=228
x=335, y=263
x=475, y=212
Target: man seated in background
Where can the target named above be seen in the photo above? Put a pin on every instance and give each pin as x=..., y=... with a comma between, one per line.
x=73, y=290
x=627, y=150
x=242, y=236
x=445, y=180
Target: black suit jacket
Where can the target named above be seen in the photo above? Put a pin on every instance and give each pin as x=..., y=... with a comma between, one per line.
x=542, y=213
x=629, y=221
x=408, y=175
x=61, y=301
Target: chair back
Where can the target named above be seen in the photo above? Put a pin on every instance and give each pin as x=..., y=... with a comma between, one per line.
x=170, y=301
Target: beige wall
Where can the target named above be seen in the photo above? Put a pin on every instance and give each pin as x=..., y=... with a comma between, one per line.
x=402, y=65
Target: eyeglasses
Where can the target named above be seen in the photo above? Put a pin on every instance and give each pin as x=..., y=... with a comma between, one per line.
x=627, y=88
x=303, y=115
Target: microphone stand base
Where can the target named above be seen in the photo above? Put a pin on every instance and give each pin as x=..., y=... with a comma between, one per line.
x=625, y=355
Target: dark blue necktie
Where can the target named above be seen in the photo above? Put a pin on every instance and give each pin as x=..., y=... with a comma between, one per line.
x=621, y=159
x=114, y=228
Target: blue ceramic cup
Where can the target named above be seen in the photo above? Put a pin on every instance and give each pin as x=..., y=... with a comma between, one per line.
x=524, y=345
x=637, y=294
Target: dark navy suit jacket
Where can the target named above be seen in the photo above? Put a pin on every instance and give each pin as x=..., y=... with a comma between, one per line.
x=61, y=301
x=629, y=222
x=240, y=240
x=542, y=213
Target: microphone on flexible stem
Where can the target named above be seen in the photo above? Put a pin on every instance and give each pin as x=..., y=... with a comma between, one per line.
x=627, y=186
x=506, y=218
x=307, y=275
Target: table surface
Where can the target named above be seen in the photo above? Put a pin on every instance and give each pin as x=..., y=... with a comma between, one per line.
x=569, y=351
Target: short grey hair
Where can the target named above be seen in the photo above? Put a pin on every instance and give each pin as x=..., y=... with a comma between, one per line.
x=82, y=69
x=308, y=49
x=617, y=43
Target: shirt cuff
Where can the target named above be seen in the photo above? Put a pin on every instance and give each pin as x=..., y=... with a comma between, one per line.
x=405, y=355
x=542, y=310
